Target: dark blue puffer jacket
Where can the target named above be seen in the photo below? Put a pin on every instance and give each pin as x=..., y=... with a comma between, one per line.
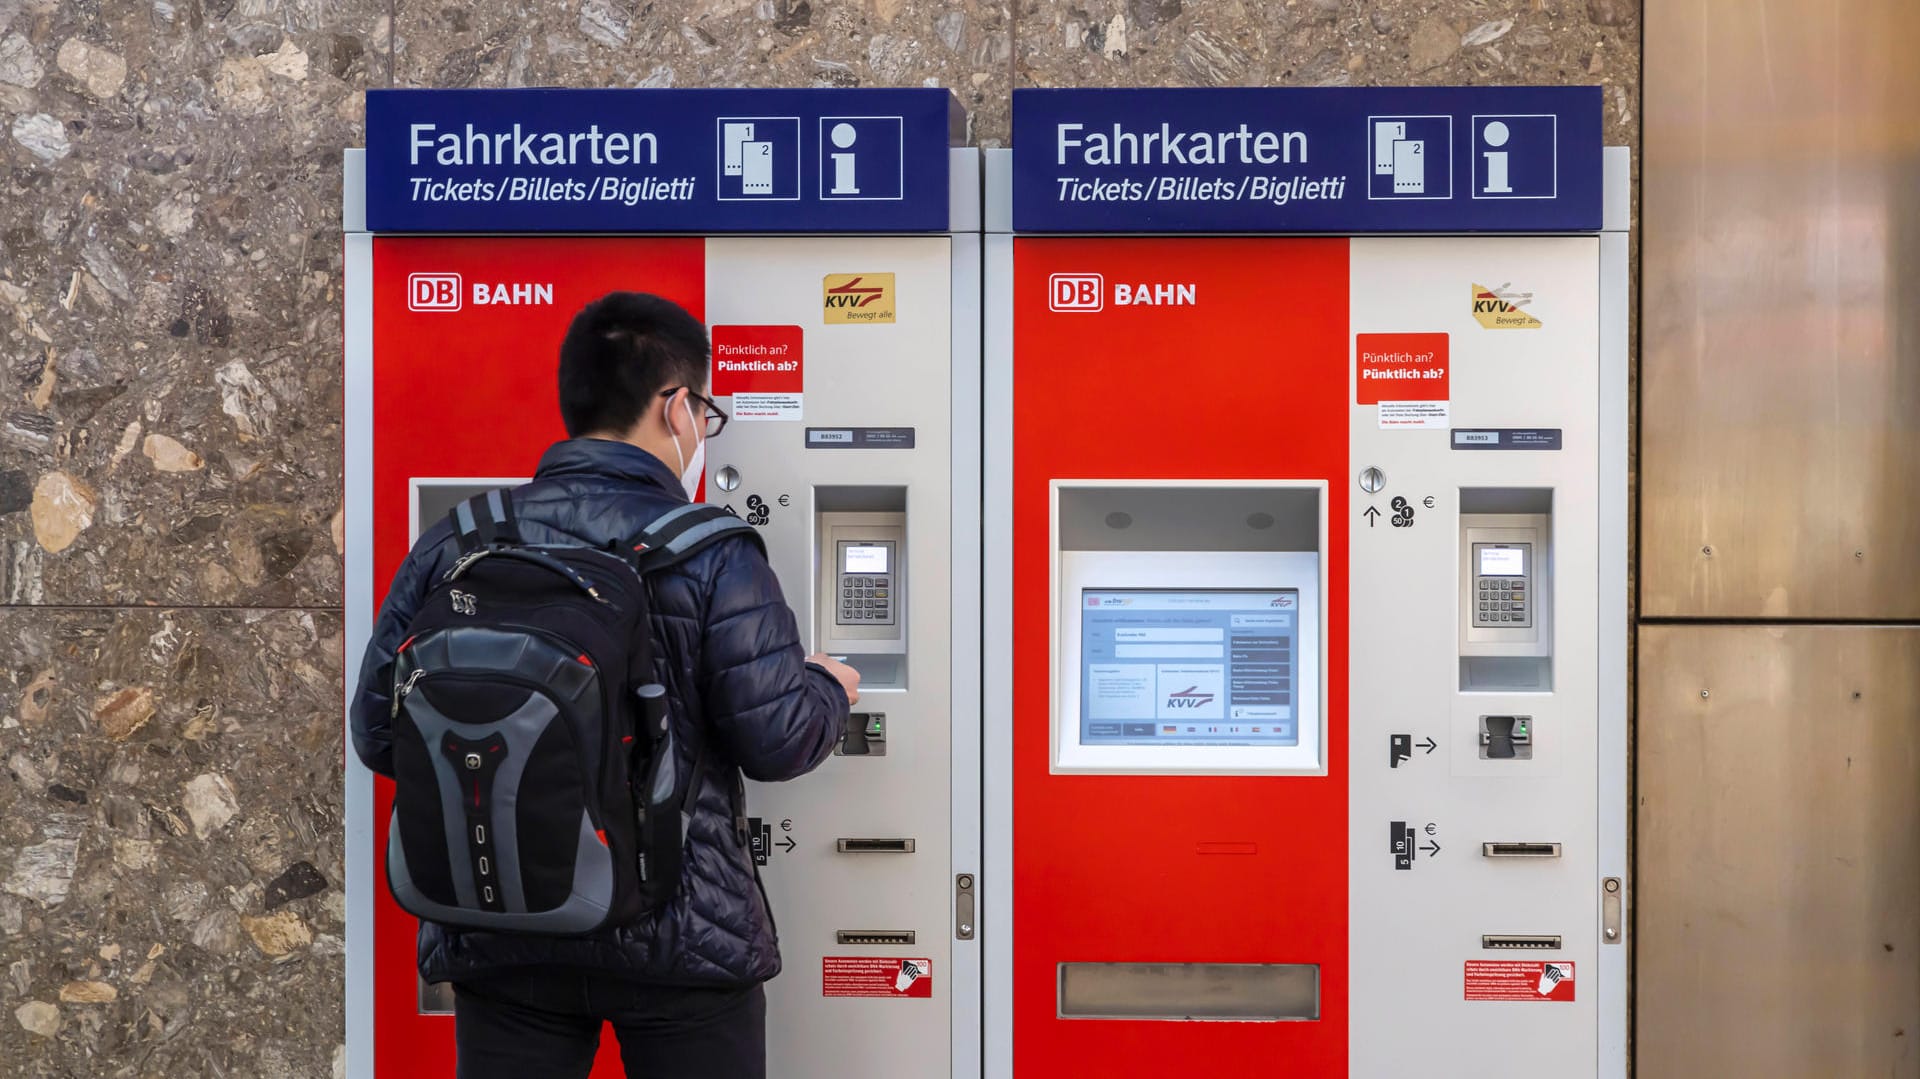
x=736, y=677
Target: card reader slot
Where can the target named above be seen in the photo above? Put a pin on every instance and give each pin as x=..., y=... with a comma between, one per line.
x=1520, y=850
x=1521, y=941
x=877, y=936
x=865, y=735
x=873, y=846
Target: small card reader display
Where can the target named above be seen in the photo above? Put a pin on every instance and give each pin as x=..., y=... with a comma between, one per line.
x=1503, y=585
x=866, y=584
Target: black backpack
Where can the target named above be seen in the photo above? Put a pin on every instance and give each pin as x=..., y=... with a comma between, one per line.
x=534, y=765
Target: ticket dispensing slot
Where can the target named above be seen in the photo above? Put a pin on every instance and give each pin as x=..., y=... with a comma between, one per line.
x=861, y=594
x=1506, y=604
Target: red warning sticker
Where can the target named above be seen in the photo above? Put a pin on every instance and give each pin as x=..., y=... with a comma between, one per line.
x=1399, y=367
x=864, y=976
x=1508, y=979
x=760, y=368
x=1405, y=374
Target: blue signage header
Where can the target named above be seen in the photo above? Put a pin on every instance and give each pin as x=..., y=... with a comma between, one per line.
x=690, y=161
x=1329, y=160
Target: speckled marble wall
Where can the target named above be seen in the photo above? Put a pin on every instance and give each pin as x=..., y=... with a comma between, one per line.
x=1338, y=43
x=170, y=638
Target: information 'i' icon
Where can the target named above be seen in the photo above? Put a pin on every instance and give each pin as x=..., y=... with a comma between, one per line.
x=845, y=182
x=1496, y=135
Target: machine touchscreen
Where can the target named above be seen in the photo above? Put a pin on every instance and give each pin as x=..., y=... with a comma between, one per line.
x=1199, y=668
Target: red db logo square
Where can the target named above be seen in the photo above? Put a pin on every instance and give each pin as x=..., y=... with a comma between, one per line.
x=1076, y=292
x=433, y=292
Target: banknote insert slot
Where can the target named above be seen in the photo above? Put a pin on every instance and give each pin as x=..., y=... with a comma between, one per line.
x=864, y=845
x=1520, y=850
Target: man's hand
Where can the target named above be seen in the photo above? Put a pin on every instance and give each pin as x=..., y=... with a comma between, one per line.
x=848, y=678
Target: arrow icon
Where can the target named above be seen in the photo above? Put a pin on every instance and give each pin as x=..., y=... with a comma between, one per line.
x=1372, y=515
x=787, y=844
x=1429, y=745
x=1431, y=847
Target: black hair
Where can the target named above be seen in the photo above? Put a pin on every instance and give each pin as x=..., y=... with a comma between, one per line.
x=621, y=351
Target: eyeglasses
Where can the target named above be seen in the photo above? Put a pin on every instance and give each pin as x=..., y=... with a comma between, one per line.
x=716, y=419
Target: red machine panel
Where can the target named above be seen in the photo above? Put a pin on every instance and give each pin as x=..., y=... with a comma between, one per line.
x=466, y=339
x=1157, y=359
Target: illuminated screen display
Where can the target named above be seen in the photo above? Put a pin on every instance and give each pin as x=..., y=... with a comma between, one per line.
x=1198, y=668
x=1503, y=561
x=864, y=559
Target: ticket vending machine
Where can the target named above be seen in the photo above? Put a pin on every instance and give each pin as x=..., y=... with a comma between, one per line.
x=830, y=240
x=1305, y=584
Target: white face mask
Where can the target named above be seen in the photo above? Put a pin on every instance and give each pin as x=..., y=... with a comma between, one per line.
x=690, y=470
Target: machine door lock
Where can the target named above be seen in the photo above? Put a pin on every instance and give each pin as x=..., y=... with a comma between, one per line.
x=1612, y=924
x=963, y=907
x=865, y=735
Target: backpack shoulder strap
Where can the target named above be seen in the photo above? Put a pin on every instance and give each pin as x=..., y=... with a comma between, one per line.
x=485, y=520
x=684, y=531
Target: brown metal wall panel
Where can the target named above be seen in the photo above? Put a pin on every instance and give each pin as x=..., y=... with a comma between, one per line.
x=1780, y=307
x=1778, y=883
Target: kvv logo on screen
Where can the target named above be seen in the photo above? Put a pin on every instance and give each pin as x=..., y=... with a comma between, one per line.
x=1190, y=697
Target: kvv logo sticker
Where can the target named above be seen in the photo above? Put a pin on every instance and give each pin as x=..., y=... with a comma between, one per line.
x=1500, y=308
x=857, y=297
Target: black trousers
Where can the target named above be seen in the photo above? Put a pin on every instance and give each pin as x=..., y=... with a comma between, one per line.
x=546, y=1023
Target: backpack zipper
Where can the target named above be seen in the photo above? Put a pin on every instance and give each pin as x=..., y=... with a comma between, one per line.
x=400, y=694
x=527, y=554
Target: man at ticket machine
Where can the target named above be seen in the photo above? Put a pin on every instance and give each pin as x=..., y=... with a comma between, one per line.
x=682, y=983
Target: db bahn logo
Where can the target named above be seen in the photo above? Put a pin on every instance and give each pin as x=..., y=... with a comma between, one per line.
x=433, y=292
x=1190, y=697
x=1076, y=292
